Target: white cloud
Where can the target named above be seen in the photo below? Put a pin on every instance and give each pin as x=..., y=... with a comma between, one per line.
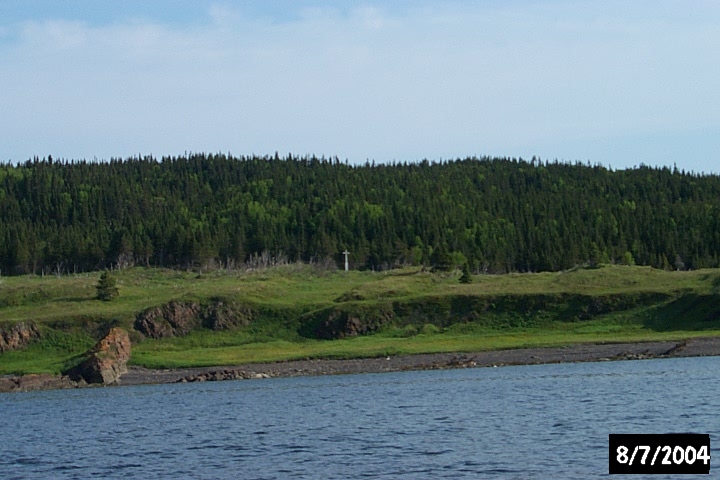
x=444, y=80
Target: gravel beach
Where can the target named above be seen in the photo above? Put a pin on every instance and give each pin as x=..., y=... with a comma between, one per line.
x=703, y=346
x=707, y=346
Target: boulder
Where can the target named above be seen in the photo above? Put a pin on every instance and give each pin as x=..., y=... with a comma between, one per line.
x=14, y=336
x=174, y=319
x=42, y=381
x=106, y=361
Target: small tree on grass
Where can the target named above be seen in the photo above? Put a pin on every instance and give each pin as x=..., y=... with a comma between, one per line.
x=106, y=287
x=465, y=277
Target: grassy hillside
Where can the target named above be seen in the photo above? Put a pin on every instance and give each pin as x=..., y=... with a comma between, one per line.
x=297, y=307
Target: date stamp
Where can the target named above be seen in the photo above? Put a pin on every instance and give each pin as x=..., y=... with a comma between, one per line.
x=669, y=453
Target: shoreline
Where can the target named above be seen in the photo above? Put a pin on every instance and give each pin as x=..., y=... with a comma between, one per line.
x=695, y=347
x=702, y=346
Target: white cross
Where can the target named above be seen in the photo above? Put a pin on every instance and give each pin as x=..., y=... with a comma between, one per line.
x=346, y=253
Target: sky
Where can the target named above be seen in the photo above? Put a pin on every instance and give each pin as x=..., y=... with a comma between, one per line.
x=615, y=83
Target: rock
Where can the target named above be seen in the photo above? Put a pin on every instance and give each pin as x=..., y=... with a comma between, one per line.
x=8, y=384
x=676, y=349
x=222, y=315
x=461, y=362
x=26, y=383
x=14, y=336
x=222, y=375
x=340, y=323
x=175, y=319
x=106, y=361
x=645, y=355
x=45, y=382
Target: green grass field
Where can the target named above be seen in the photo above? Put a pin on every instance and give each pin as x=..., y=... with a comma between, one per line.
x=429, y=312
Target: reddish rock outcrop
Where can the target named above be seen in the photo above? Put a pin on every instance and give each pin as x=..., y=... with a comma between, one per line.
x=223, y=315
x=106, y=361
x=177, y=319
x=343, y=323
x=172, y=320
x=14, y=336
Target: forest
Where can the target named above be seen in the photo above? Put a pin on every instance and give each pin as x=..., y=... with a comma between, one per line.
x=497, y=215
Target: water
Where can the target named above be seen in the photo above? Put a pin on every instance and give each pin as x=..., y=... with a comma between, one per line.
x=545, y=421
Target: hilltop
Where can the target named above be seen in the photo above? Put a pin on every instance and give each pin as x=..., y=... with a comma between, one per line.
x=497, y=215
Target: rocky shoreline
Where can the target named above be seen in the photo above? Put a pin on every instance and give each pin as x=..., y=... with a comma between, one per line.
x=576, y=353
x=704, y=346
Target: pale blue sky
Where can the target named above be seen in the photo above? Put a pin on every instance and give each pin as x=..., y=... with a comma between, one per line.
x=614, y=82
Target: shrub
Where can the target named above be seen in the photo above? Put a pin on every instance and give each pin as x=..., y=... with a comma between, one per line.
x=430, y=329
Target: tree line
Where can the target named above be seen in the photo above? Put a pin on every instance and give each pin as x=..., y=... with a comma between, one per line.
x=494, y=214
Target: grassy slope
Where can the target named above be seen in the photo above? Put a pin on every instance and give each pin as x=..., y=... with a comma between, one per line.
x=69, y=315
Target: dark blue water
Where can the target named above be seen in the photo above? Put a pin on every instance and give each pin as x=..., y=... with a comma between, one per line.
x=547, y=421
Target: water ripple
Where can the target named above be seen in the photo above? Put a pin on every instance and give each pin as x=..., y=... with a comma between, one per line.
x=514, y=422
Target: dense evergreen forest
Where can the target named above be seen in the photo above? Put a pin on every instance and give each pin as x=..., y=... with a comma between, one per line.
x=498, y=215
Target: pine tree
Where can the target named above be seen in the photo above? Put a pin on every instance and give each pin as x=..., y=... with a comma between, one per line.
x=106, y=287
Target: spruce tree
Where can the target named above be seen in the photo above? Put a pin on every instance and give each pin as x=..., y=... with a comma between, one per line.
x=106, y=287
x=465, y=277
x=441, y=259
